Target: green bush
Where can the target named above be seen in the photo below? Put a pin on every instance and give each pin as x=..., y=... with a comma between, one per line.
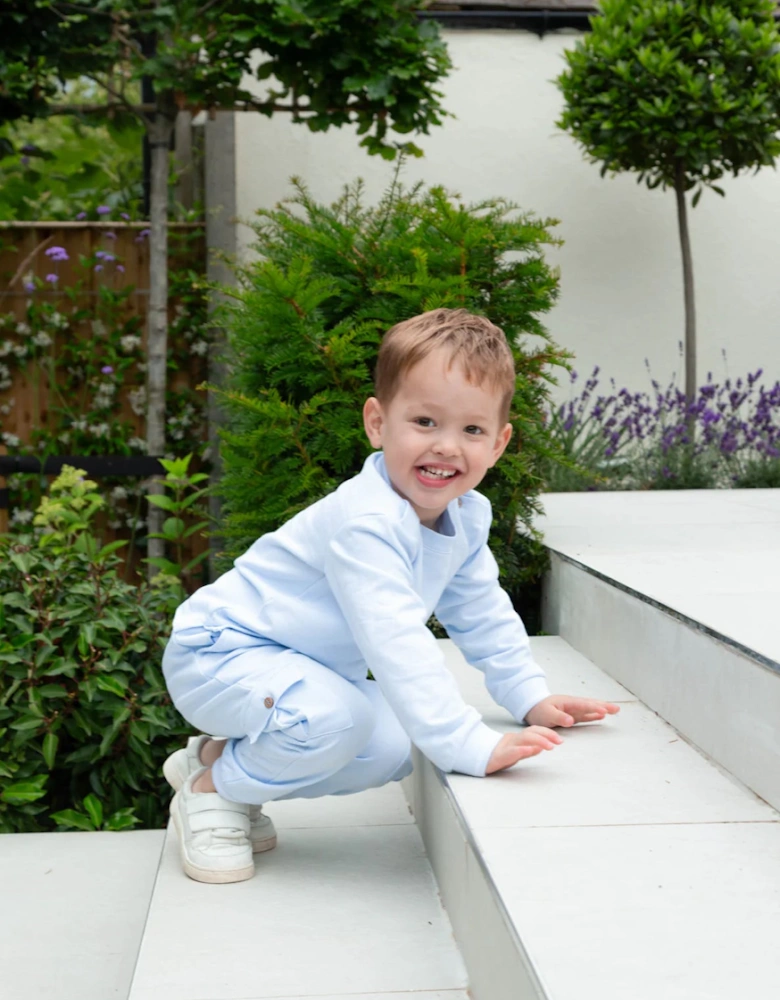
x=85, y=720
x=305, y=325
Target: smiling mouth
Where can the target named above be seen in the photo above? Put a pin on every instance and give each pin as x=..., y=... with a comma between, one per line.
x=441, y=474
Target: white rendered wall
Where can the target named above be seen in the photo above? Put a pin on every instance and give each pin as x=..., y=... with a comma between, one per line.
x=621, y=284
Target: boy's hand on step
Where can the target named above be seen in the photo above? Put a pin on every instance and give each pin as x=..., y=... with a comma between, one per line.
x=514, y=747
x=566, y=710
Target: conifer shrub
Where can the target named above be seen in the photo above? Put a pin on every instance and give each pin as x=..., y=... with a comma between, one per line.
x=303, y=329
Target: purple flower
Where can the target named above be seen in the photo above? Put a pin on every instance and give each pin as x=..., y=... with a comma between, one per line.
x=107, y=370
x=98, y=267
x=145, y=232
x=110, y=236
x=80, y=216
x=52, y=279
x=103, y=209
x=25, y=161
x=125, y=216
x=57, y=253
x=120, y=268
x=29, y=286
x=28, y=148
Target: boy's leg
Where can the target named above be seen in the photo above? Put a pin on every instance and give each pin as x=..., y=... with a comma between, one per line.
x=291, y=721
x=386, y=757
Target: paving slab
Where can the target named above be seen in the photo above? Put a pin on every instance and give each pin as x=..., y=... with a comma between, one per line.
x=709, y=555
x=623, y=864
x=72, y=913
x=343, y=910
x=687, y=912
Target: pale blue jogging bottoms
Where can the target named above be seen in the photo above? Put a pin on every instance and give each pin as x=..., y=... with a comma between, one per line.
x=296, y=728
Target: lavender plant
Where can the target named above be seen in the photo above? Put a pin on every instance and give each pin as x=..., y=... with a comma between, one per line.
x=641, y=440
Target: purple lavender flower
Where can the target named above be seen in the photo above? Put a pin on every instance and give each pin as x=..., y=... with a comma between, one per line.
x=107, y=370
x=52, y=279
x=29, y=286
x=98, y=267
x=109, y=235
x=25, y=161
x=125, y=216
x=120, y=268
x=80, y=216
x=103, y=209
x=57, y=253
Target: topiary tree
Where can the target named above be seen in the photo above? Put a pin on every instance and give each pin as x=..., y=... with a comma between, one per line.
x=681, y=93
x=305, y=326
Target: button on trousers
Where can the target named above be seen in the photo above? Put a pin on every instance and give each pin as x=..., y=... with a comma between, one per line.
x=296, y=728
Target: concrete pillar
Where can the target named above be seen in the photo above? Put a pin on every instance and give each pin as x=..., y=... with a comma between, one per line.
x=220, y=204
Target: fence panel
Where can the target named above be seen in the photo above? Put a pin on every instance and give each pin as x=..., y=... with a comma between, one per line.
x=23, y=257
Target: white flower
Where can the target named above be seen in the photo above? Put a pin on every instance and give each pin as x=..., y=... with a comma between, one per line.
x=5, y=372
x=58, y=321
x=141, y=366
x=119, y=493
x=11, y=440
x=22, y=329
x=20, y=350
x=114, y=525
x=98, y=327
x=138, y=401
x=99, y=429
x=136, y=442
x=130, y=342
x=42, y=339
x=64, y=437
x=6, y=408
x=22, y=517
x=199, y=347
x=5, y=348
x=79, y=425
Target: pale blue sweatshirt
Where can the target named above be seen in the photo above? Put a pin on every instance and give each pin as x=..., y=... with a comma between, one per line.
x=351, y=582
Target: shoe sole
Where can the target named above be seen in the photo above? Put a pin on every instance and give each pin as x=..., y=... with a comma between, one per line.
x=174, y=778
x=207, y=875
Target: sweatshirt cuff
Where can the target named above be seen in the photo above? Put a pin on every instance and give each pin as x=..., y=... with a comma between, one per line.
x=522, y=699
x=475, y=753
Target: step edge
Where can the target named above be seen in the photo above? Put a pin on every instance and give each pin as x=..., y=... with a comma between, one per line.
x=751, y=654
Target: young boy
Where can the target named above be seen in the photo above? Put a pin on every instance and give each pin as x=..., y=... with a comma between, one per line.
x=274, y=654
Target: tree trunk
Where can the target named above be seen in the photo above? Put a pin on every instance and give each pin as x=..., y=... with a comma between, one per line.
x=690, y=302
x=160, y=132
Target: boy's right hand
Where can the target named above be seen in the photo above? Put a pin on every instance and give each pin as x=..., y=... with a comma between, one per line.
x=513, y=747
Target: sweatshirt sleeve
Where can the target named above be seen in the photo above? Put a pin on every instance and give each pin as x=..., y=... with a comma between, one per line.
x=478, y=616
x=369, y=569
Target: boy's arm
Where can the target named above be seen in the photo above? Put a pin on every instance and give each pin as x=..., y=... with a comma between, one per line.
x=478, y=616
x=368, y=566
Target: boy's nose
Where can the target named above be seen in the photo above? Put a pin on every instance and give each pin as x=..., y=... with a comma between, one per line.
x=446, y=444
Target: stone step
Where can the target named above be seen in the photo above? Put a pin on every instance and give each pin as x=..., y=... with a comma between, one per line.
x=72, y=912
x=622, y=864
x=345, y=906
x=676, y=595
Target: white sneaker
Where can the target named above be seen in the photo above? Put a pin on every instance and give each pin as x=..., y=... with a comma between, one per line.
x=181, y=764
x=213, y=835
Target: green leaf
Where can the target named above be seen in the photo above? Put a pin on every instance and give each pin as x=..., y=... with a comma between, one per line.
x=122, y=819
x=23, y=792
x=166, y=502
x=70, y=818
x=111, y=684
x=50, y=743
x=94, y=808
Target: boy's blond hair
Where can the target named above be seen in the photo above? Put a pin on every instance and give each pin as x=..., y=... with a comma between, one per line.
x=479, y=346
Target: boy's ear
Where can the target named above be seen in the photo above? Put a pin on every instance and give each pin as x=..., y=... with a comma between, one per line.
x=373, y=418
x=502, y=440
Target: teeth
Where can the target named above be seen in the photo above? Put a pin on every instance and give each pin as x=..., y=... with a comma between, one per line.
x=439, y=473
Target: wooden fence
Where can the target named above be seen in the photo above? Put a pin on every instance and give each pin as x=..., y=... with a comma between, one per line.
x=23, y=249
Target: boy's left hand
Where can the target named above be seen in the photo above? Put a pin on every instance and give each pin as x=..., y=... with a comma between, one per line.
x=565, y=710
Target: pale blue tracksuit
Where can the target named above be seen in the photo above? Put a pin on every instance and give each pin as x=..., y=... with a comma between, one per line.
x=274, y=654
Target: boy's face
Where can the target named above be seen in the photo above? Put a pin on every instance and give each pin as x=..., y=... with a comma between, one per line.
x=439, y=433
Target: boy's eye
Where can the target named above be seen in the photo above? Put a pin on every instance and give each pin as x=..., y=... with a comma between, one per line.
x=473, y=429
x=424, y=421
